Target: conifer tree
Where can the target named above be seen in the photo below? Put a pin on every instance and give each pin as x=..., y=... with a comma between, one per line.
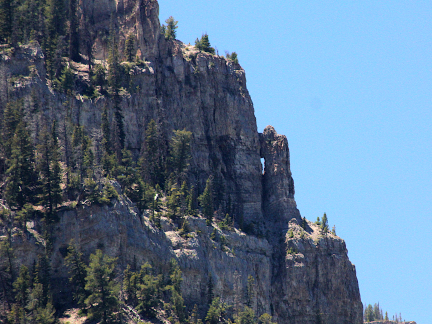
x=148, y=291
x=217, y=312
x=54, y=24
x=233, y=57
x=265, y=319
x=152, y=160
x=251, y=293
x=99, y=77
x=101, y=287
x=43, y=278
x=204, y=44
x=21, y=176
x=7, y=254
x=175, y=275
x=22, y=286
x=180, y=153
x=170, y=31
x=114, y=81
x=12, y=116
x=324, y=224
x=73, y=32
x=130, y=285
x=50, y=170
x=67, y=81
x=247, y=316
x=6, y=19
x=77, y=272
x=191, y=201
x=130, y=48
x=206, y=201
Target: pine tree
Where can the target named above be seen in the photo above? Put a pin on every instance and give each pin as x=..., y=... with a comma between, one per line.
x=73, y=32
x=67, y=80
x=130, y=48
x=217, y=312
x=130, y=286
x=247, y=316
x=175, y=275
x=7, y=254
x=55, y=26
x=324, y=224
x=6, y=19
x=170, y=31
x=191, y=201
x=251, y=293
x=206, y=201
x=114, y=81
x=99, y=77
x=198, y=45
x=77, y=272
x=233, y=57
x=12, y=116
x=180, y=153
x=22, y=286
x=21, y=176
x=148, y=292
x=265, y=319
x=152, y=160
x=101, y=287
x=50, y=170
x=204, y=44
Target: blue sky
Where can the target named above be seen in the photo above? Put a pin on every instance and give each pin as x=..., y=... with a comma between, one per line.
x=349, y=83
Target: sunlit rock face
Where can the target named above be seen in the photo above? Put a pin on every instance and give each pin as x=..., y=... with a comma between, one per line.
x=302, y=276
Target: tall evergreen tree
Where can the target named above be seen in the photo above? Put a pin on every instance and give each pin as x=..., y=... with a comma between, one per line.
x=251, y=292
x=170, y=31
x=6, y=20
x=152, y=160
x=206, y=201
x=180, y=153
x=324, y=224
x=12, y=116
x=73, y=32
x=55, y=27
x=6, y=254
x=114, y=81
x=77, y=272
x=50, y=170
x=22, y=286
x=130, y=48
x=42, y=281
x=101, y=287
x=204, y=44
x=21, y=176
x=106, y=132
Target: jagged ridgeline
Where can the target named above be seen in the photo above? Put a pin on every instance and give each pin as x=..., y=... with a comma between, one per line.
x=131, y=183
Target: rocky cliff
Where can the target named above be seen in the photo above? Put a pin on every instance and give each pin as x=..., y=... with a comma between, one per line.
x=302, y=276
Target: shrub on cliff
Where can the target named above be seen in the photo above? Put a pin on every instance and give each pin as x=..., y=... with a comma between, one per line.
x=232, y=57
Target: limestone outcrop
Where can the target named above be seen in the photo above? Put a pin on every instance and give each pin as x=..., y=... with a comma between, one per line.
x=301, y=278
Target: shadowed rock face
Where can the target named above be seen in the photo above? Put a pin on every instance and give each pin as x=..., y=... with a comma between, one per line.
x=278, y=185
x=181, y=88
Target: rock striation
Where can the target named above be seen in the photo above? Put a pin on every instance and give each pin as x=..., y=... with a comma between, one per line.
x=301, y=276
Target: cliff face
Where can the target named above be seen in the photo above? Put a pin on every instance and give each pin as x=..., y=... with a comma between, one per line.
x=181, y=88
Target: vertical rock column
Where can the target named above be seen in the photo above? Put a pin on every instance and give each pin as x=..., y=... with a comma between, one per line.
x=279, y=205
